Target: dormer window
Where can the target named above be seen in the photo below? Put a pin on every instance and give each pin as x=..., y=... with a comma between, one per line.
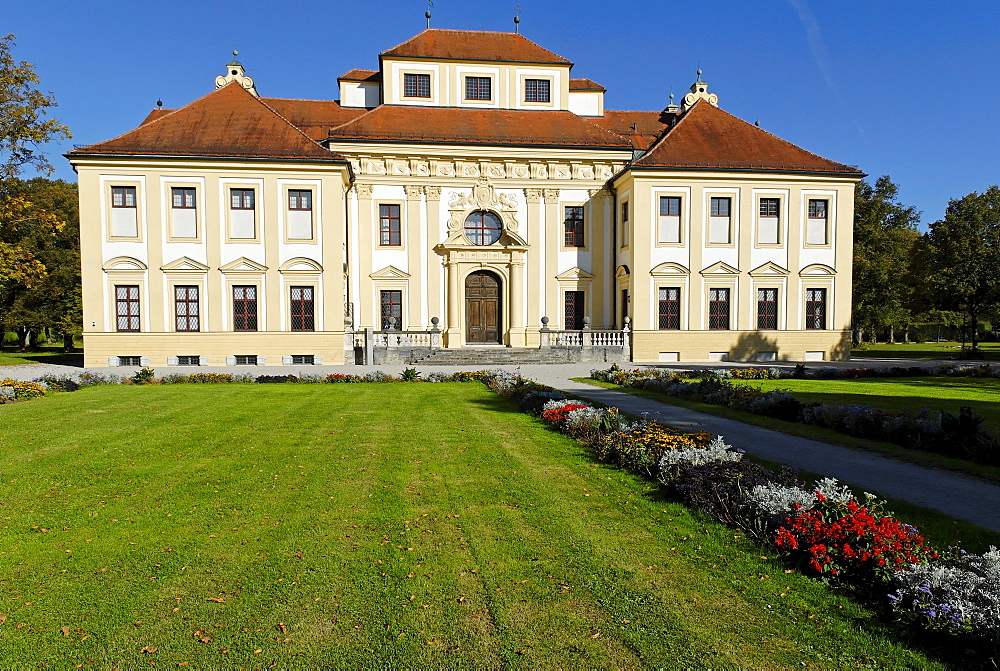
x=478, y=88
x=537, y=91
x=416, y=85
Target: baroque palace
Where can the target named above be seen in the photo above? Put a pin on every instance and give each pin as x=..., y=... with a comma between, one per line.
x=469, y=186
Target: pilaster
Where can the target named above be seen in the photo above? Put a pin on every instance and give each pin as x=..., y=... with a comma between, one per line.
x=551, y=227
x=366, y=311
x=415, y=289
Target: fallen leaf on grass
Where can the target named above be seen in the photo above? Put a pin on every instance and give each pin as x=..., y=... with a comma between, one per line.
x=215, y=599
x=282, y=628
x=595, y=635
x=148, y=650
x=65, y=631
x=3, y=618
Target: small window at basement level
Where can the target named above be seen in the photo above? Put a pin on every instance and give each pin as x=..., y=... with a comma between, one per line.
x=303, y=359
x=129, y=360
x=246, y=359
x=189, y=360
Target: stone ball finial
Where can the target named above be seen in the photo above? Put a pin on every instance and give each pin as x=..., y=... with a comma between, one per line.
x=699, y=72
x=545, y=321
x=586, y=321
x=435, y=321
x=235, y=53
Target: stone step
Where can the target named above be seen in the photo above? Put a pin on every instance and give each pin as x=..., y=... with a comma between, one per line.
x=491, y=357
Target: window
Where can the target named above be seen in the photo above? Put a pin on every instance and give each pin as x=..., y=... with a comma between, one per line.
x=625, y=224
x=300, y=214
x=767, y=309
x=388, y=226
x=816, y=226
x=189, y=361
x=245, y=360
x=416, y=86
x=303, y=359
x=303, y=313
x=816, y=308
x=186, y=313
x=478, y=88
x=124, y=213
x=183, y=215
x=670, y=220
x=719, y=222
x=129, y=360
x=242, y=218
x=670, y=308
x=391, y=308
x=574, y=310
x=483, y=228
x=127, y=307
x=573, y=224
x=536, y=91
x=767, y=222
x=624, y=306
x=718, y=309
x=245, y=308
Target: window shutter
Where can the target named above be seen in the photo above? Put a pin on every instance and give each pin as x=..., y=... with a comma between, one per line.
x=260, y=360
x=171, y=361
x=317, y=360
x=230, y=360
x=112, y=362
x=286, y=360
x=203, y=361
x=144, y=361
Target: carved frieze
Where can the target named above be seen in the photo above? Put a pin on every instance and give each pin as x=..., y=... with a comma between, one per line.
x=413, y=192
x=364, y=190
x=433, y=192
x=533, y=195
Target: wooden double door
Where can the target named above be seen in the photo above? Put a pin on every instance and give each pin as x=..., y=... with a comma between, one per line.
x=482, y=308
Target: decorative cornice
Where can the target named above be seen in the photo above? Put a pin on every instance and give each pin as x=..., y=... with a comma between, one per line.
x=413, y=192
x=533, y=195
x=433, y=192
x=599, y=194
x=364, y=190
x=551, y=195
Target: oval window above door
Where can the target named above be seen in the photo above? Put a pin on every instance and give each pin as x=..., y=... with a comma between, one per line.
x=483, y=228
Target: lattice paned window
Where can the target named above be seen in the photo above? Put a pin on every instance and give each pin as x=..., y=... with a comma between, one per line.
x=537, y=90
x=242, y=214
x=124, y=212
x=718, y=309
x=478, y=88
x=187, y=315
x=303, y=309
x=767, y=309
x=669, y=225
x=389, y=231
x=815, y=308
x=245, y=308
x=670, y=308
x=768, y=221
x=719, y=222
x=127, y=307
x=573, y=226
x=300, y=214
x=416, y=85
x=391, y=307
x=574, y=310
x=817, y=231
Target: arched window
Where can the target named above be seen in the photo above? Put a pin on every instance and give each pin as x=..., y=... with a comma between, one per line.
x=483, y=228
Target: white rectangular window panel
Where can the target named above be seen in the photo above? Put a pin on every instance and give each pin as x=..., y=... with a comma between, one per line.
x=124, y=222
x=184, y=223
x=815, y=356
x=242, y=224
x=816, y=232
x=718, y=356
x=718, y=230
x=670, y=356
x=767, y=356
x=670, y=228
x=767, y=231
x=300, y=225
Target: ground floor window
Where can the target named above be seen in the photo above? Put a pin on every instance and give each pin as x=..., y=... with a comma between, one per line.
x=815, y=308
x=718, y=309
x=767, y=309
x=670, y=308
x=127, y=307
x=245, y=308
x=303, y=312
x=573, y=301
x=391, y=308
x=186, y=313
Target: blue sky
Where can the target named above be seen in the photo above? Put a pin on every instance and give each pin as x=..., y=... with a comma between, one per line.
x=908, y=88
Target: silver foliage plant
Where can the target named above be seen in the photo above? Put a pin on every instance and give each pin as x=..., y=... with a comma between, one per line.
x=774, y=502
x=717, y=451
x=962, y=594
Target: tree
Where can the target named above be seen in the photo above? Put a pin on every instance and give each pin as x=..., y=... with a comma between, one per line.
x=964, y=256
x=885, y=238
x=23, y=110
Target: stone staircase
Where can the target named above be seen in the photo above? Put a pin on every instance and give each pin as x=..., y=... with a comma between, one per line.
x=477, y=358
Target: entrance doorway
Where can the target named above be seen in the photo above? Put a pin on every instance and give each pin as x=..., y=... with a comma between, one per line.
x=482, y=308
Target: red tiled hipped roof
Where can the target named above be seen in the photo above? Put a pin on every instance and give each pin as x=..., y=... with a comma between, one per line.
x=401, y=123
x=474, y=45
x=642, y=129
x=314, y=117
x=229, y=122
x=585, y=85
x=361, y=75
x=708, y=137
x=155, y=114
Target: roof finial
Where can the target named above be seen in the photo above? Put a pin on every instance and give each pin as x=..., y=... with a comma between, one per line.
x=427, y=14
x=517, y=18
x=159, y=104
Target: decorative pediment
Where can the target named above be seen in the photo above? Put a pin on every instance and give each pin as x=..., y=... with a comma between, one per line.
x=124, y=263
x=669, y=269
x=243, y=265
x=720, y=268
x=483, y=196
x=817, y=269
x=769, y=269
x=575, y=274
x=300, y=264
x=390, y=273
x=185, y=264
x=622, y=271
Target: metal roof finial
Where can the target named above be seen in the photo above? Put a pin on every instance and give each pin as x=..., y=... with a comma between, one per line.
x=427, y=14
x=159, y=104
x=517, y=18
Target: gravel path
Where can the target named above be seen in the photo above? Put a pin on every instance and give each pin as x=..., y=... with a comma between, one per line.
x=965, y=498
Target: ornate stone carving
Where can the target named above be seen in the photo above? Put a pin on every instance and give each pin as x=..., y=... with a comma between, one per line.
x=445, y=169
x=551, y=195
x=562, y=172
x=483, y=196
x=520, y=171
x=496, y=171
x=433, y=192
x=376, y=167
x=599, y=194
x=539, y=171
x=533, y=195
x=413, y=192
x=364, y=190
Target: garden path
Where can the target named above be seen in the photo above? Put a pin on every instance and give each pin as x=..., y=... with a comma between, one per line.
x=965, y=498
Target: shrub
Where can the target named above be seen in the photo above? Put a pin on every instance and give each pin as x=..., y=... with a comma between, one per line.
x=143, y=376
x=59, y=383
x=719, y=487
x=275, y=379
x=23, y=390
x=533, y=402
x=210, y=378
x=410, y=375
x=340, y=378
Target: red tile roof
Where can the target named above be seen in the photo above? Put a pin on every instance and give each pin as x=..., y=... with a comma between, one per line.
x=641, y=128
x=229, y=122
x=474, y=45
x=585, y=85
x=315, y=118
x=361, y=75
x=155, y=114
x=708, y=137
x=401, y=123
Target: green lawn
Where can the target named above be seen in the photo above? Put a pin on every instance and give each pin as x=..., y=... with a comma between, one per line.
x=404, y=525
x=928, y=350
x=43, y=355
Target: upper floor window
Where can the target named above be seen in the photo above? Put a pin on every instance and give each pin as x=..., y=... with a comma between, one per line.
x=124, y=214
x=817, y=232
x=300, y=205
x=670, y=220
x=719, y=229
x=483, y=228
x=478, y=88
x=625, y=224
x=767, y=221
x=242, y=214
x=573, y=224
x=245, y=308
x=416, y=85
x=388, y=226
x=123, y=196
x=183, y=217
x=537, y=90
